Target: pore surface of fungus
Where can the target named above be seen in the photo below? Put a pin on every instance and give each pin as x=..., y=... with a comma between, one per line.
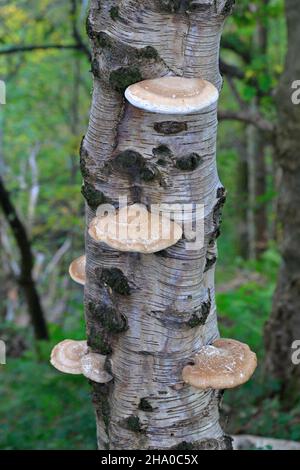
x=172, y=95
x=133, y=228
x=226, y=363
x=92, y=366
x=66, y=356
x=77, y=269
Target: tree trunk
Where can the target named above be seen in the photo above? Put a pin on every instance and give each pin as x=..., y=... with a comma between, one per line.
x=242, y=205
x=167, y=299
x=26, y=280
x=260, y=209
x=284, y=324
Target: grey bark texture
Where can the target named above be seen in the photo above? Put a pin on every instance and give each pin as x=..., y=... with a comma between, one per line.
x=151, y=313
x=283, y=326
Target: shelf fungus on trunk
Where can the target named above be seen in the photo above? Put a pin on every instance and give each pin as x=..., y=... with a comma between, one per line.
x=135, y=229
x=172, y=95
x=77, y=270
x=73, y=357
x=226, y=363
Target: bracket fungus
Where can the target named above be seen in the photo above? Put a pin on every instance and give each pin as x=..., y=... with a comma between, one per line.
x=92, y=366
x=66, y=355
x=226, y=363
x=135, y=229
x=77, y=270
x=72, y=357
x=172, y=95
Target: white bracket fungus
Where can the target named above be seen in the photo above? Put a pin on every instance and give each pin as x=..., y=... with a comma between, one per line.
x=172, y=95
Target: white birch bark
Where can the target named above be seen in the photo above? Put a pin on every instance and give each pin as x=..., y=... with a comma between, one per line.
x=151, y=313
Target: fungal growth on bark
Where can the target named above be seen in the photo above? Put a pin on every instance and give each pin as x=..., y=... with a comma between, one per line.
x=226, y=363
x=92, y=367
x=172, y=95
x=135, y=229
x=77, y=270
x=73, y=357
x=66, y=356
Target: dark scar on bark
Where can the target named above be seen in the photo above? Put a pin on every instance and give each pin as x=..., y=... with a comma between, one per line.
x=115, y=279
x=144, y=405
x=189, y=162
x=93, y=196
x=170, y=127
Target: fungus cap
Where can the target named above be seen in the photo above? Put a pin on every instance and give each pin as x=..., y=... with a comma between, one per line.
x=133, y=228
x=226, y=363
x=172, y=95
x=92, y=366
x=77, y=270
x=66, y=356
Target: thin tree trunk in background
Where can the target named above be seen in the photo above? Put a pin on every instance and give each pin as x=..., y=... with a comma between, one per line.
x=242, y=202
x=251, y=151
x=25, y=280
x=260, y=208
x=143, y=408
x=283, y=326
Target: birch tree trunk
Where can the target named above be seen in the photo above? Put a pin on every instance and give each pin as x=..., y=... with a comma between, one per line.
x=283, y=327
x=151, y=313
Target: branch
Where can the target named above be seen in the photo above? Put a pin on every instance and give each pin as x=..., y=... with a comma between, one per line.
x=30, y=48
x=247, y=117
x=231, y=70
x=234, y=44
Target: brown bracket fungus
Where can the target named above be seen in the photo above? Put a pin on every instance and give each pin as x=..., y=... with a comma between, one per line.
x=77, y=270
x=66, y=356
x=172, y=95
x=135, y=229
x=226, y=363
x=92, y=366
x=72, y=357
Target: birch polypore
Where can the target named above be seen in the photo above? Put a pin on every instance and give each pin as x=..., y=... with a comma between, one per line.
x=92, y=366
x=77, y=270
x=135, y=229
x=226, y=363
x=66, y=355
x=172, y=95
x=161, y=308
x=73, y=357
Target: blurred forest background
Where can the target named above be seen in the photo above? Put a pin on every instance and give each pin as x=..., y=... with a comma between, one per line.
x=44, y=61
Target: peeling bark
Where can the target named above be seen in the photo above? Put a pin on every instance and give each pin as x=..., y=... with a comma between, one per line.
x=167, y=298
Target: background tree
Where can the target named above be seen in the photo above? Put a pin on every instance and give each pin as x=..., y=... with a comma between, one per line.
x=283, y=326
